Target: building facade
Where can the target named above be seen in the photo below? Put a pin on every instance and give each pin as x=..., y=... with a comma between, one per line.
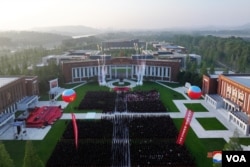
x=233, y=95
x=14, y=89
x=165, y=70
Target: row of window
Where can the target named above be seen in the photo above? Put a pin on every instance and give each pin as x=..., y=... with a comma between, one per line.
x=82, y=72
x=11, y=95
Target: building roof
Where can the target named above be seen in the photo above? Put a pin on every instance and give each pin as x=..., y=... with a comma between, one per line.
x=243, y=80
x=6, y=80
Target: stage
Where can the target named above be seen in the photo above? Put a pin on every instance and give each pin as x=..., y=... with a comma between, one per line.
x=43, y=116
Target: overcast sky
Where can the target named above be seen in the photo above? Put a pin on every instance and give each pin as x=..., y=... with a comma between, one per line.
x=123, y=14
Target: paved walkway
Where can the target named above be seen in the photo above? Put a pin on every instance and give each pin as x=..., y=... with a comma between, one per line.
x=110, y=83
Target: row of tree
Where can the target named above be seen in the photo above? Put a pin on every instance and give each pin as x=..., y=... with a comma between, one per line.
x=232, y=52
x=14, y=39
x=30, y=156
x=24, y=62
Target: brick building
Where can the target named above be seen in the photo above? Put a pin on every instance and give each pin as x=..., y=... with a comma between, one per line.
x=13, y=92
x=232, y=93
x=77, y=71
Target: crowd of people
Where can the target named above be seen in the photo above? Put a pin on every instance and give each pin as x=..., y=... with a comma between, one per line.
x=98, y=100
x=151, y=95
x=134, y=140
x=121, y=138
x=94, y=145
x=90, y=129
x=144, y=101
x=153, y=127
x=90, y=152
x=136, y=101
x=153, y=143
x=149, y=152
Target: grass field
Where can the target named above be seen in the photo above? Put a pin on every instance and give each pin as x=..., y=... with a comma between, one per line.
x=43, y=148
x=198, y=147
x=211, y=124
x=196, y=107
x=172, y=85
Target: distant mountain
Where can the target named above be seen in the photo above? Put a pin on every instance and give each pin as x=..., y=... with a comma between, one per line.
x=32, y=38
x=244, y=27
x=69, y=30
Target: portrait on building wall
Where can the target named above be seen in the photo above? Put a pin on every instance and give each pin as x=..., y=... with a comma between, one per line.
x=228, y=90
x=53, y=83
x=234, y=93
x=241, y=97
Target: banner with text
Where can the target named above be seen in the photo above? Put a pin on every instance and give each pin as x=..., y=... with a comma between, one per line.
x=184, y=128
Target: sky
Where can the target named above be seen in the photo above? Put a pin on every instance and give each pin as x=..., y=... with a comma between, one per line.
x=123, y=14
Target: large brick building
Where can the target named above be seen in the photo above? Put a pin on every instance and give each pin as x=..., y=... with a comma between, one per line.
x=77, y=71
x=13, y=89
x=231, y=92
x=16, y=93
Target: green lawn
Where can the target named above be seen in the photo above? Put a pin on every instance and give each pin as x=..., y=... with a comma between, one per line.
x=200, y=147
x=196, y=107
x=244, y=141
x=43, y=148
x=171, y=84
x=211, y=124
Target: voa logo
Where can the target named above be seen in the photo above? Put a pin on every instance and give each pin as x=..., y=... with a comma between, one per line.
x=236, y=158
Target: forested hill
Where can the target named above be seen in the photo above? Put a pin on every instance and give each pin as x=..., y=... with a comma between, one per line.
x=30, y=38
x=232, y=52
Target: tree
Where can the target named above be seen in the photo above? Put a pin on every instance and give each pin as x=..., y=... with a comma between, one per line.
x=31, y=158
x=226, y=71
x=5, y=160
x=233, y=144
x=203, y=69
x=211, y=70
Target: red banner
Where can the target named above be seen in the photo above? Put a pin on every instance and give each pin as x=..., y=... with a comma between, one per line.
x=75, y=129
x=184, y=128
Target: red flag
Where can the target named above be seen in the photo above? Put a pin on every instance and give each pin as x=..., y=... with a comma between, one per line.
x=75, y=129
x=184, y=128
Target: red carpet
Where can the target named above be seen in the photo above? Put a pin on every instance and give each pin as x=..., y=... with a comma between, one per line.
x=43, y=116
x=121, y=89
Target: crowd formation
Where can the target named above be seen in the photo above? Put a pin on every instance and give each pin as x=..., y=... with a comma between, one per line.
x=153, y=143
x=144, y=101
x=94, y=145
x=90, y=152
x=90, y=129
x=136, y=101
x=116, y=139
x=120, y=138
x=98, y=100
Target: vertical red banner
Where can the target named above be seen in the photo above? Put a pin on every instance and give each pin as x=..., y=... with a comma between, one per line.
x=75, y=129
x=184, y=128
